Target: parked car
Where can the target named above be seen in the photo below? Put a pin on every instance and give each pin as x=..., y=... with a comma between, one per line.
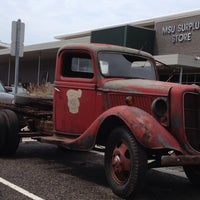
x=5, y=97
x=20, y=89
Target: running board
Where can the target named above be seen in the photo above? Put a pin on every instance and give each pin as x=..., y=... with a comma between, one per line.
x=55, y=139
x=180, y=160
x=80, y=143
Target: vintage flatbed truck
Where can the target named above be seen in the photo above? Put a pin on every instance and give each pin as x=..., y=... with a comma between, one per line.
x=110, y=96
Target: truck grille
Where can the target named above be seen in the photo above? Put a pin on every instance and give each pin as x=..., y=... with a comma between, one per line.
x=192, y=119
x=140, y=101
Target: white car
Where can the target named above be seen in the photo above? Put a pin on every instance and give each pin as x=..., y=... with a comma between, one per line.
x=20, y=90
x=5, y=97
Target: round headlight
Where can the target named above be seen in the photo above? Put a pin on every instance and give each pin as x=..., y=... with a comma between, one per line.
x=159, y=106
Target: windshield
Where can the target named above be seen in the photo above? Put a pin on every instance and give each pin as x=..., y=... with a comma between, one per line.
x=125, y=66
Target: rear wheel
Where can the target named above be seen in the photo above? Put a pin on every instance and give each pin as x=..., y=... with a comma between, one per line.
x=11, y=128
x=125, y=163
x=2, y=134
x=193, y=174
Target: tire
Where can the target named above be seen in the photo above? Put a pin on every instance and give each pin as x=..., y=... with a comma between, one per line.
x=193, y=174
x=12, y=138
x=63, y=149
x=125, y=163
x=2, y=134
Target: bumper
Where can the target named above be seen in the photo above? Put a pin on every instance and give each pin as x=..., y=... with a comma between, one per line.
x=180, y=160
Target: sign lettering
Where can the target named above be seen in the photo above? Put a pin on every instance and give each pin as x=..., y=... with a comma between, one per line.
x=182, y=32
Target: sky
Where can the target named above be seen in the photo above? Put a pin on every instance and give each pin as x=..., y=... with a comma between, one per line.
x=45, y=19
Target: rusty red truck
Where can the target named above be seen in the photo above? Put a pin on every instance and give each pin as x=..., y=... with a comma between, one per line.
x=111, y=96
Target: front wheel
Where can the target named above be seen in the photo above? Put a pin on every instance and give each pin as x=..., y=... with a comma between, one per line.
x=125, y=163
x=193, y=174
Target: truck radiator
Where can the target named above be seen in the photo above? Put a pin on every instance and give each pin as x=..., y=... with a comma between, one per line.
x=192, y=119
x=141, y=101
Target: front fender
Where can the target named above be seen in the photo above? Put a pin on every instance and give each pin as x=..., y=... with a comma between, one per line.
x=146, y=129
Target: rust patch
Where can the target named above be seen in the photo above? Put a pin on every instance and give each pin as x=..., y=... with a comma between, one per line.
x=84, y=143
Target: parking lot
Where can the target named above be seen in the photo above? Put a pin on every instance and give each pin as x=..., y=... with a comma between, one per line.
x=42, y=171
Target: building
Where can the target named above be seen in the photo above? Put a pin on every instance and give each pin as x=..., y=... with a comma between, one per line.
x=3, y=45
x=173, y=40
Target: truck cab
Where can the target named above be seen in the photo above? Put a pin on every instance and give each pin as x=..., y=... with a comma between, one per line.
x=83, y=77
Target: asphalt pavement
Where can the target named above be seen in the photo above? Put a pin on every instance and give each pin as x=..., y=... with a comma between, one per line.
x=42, y=171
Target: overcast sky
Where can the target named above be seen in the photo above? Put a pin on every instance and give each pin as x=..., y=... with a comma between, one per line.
x=45, y=19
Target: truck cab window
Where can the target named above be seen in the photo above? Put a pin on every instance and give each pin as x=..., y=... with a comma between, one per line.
x=126, y=66
x=77, y=65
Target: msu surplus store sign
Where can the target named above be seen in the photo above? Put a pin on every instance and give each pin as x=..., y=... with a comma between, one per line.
x=181, y=32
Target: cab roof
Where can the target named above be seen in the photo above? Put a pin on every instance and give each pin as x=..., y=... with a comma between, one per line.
x=105, y=47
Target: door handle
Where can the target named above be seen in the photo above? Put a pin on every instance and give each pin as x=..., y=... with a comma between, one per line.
x=57, y=89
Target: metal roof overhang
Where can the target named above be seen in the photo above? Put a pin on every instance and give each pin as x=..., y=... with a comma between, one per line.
x=177, y=61
x=49, y=50
x=45, y=50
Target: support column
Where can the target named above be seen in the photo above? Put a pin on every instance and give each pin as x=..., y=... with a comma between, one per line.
x=9, y=65
x=38, y=74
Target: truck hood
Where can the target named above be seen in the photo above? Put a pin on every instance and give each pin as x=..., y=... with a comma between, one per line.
x=141, y=86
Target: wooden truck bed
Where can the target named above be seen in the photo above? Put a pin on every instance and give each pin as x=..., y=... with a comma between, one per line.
x=34, y=114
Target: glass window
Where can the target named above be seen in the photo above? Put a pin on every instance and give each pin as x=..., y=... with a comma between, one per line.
x=81, y=65
x=126, y=66
x=77, y=65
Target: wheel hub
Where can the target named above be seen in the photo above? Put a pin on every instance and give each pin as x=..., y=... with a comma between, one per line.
x=117, y=160
x=120, y=163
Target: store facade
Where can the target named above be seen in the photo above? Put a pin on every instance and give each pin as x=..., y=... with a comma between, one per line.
x=181, y=37
x=178, y=35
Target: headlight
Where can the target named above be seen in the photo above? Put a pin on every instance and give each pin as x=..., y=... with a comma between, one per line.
x=129, y=100
x=159, y=106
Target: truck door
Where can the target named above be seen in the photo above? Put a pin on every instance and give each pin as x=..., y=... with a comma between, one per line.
x=75, y=93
